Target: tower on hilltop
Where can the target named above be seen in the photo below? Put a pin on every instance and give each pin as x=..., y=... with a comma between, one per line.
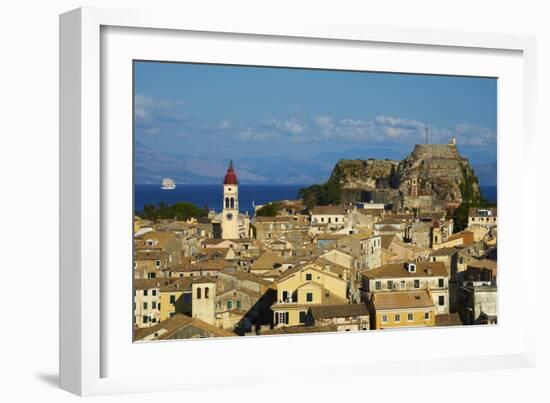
x=230, y=212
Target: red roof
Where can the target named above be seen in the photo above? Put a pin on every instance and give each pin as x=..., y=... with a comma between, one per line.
x=230, y=175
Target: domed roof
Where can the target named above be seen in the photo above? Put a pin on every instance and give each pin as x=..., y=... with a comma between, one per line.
x=230, y=175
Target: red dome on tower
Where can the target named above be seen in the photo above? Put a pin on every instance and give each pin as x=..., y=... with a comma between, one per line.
x=230, y=175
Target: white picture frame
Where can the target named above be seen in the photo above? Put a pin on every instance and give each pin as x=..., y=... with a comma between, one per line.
x=89, y=353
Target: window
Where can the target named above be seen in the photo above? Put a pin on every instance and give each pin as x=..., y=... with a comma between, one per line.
x=441, y=282
x=198, y=293
x=426, y=315
x=206, y=292
x=151, y=275
x=416, y=283
x=390, y=284
x=227, y=202
x=153, y=305
x=441, y=300
x=157, y=263
x=308, y=276
x=238, y=304
x=377, y=285
x=145, y=293
x=322, y=219
x=410, y=317
x=232, y=203
x=282, y=317
x=309, y=297
x=335, y=219
x=302, y=316
x=172, y=299
x=150, y=243
x=397, y=318
x=145, y=319
x=154, y=292
x=402, y=284
x=384, y=318
x=145, y=305
x=285, y=296
x=229, y=304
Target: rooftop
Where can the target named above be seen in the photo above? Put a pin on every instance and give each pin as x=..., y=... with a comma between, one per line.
x=167, y=328
x=325, y=210
x=150, y=255
x=267, y=261
x=338, y=311
x=398, y=270
x=401, y=300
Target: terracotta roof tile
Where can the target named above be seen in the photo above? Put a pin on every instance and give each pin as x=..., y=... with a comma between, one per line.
x=401, y=300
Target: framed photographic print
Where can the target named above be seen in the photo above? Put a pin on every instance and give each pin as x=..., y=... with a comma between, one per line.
x=261, y=189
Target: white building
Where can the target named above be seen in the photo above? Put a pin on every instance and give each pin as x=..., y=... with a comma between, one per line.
x=329, y=217
x=485, y=216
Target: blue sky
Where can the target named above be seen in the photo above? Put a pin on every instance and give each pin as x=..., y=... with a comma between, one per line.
x=271, y=121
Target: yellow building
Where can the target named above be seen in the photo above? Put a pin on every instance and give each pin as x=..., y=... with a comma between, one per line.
x=317, y=283
x=402, y=309
x=409, y=276
x=150, y=264
x=146, y=302
x=175, y=298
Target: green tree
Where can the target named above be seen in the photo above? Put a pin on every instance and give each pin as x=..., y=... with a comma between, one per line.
x=179, y=211
x=322, y=195
x=269, y=210
x=471, y=197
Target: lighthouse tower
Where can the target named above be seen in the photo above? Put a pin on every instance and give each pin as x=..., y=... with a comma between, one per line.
x=230, y=212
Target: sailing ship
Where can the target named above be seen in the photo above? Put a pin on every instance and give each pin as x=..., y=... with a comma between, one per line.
x=168, y=184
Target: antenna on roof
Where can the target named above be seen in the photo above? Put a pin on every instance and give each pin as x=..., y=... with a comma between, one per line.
x=426, y=134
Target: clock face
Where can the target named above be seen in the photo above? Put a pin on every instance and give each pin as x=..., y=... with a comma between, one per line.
x=229, y=216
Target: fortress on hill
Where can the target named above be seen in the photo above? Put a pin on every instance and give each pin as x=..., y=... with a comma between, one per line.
x=432, y=176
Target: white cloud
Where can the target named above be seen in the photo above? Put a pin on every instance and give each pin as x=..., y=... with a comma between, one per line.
x=224, y=125
x=323, y=121
x=292, y=126
x=147, y=108
x=468, y=134
x=253, y=134
x=404, y=131
x=153, y=131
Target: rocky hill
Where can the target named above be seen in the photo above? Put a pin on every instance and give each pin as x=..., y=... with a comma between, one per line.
x=365, y=174
x=431, y=176
x=440, y=172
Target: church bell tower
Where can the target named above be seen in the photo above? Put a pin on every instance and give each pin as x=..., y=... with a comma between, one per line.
x=230, y=212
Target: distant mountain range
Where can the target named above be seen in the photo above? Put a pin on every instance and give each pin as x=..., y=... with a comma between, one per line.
x=151, y=166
